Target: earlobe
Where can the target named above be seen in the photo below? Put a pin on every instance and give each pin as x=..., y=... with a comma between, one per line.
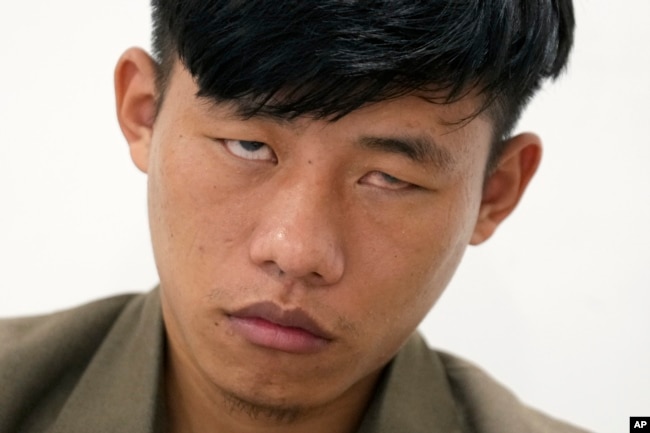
x=505, y=186
x=135, y=97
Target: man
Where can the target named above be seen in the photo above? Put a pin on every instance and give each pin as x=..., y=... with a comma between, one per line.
x=316, y=171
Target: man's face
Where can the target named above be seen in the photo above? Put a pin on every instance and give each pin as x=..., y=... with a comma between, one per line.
x=297, y=257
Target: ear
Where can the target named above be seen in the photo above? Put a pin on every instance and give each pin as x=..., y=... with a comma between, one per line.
x=135, y=98
x=506, y=183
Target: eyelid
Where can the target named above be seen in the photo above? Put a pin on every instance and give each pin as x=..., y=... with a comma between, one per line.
x=397, y=185
x=263, y=154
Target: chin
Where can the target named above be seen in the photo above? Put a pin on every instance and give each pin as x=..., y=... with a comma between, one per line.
x=280, y=409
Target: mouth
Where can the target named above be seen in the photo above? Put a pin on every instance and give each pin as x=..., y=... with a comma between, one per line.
x=268, y=325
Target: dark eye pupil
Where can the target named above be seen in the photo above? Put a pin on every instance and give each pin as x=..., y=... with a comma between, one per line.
x=251, y=146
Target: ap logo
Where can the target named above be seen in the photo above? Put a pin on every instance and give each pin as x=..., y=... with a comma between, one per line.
x=639, y=424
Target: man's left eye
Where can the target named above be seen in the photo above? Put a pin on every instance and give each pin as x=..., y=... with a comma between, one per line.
x=253, y=150
x=384, y=180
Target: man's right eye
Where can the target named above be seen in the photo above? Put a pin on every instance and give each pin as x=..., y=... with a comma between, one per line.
x=252, y=150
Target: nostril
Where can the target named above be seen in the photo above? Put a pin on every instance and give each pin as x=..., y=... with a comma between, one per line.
x=272, y=268
x=316, y=276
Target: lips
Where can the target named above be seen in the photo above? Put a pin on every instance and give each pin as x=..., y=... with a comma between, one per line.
x=268, y=325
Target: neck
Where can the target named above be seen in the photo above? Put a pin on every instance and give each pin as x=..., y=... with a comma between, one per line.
x=196, y=405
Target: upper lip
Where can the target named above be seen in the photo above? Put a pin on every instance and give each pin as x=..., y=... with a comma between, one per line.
x=287, y=317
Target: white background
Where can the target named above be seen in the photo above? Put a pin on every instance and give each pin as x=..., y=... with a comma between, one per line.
x=556, y=305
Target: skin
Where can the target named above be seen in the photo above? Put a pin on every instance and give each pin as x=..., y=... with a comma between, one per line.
x=364, y=239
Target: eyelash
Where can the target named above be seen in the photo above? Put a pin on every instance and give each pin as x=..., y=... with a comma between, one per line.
x=247, y=154
x=387, y=181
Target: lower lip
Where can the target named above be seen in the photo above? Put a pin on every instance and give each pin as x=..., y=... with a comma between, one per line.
x=267, y=334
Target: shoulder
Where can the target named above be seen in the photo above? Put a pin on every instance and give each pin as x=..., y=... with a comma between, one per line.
x=24, y=339
x=427, y=391
x=488, y=406
x=42, y=357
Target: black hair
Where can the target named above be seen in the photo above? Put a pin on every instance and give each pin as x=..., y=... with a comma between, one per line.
x=326, y=58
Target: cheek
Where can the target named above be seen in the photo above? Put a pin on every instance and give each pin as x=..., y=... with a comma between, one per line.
x=407, y=264
x=194, y=224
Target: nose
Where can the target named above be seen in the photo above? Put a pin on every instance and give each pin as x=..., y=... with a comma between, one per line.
x=297, y=234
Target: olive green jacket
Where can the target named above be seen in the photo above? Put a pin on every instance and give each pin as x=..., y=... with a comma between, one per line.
x=98, y=368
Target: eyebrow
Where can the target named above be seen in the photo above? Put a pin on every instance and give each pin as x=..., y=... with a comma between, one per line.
x=421, y=149
x=418, y=148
